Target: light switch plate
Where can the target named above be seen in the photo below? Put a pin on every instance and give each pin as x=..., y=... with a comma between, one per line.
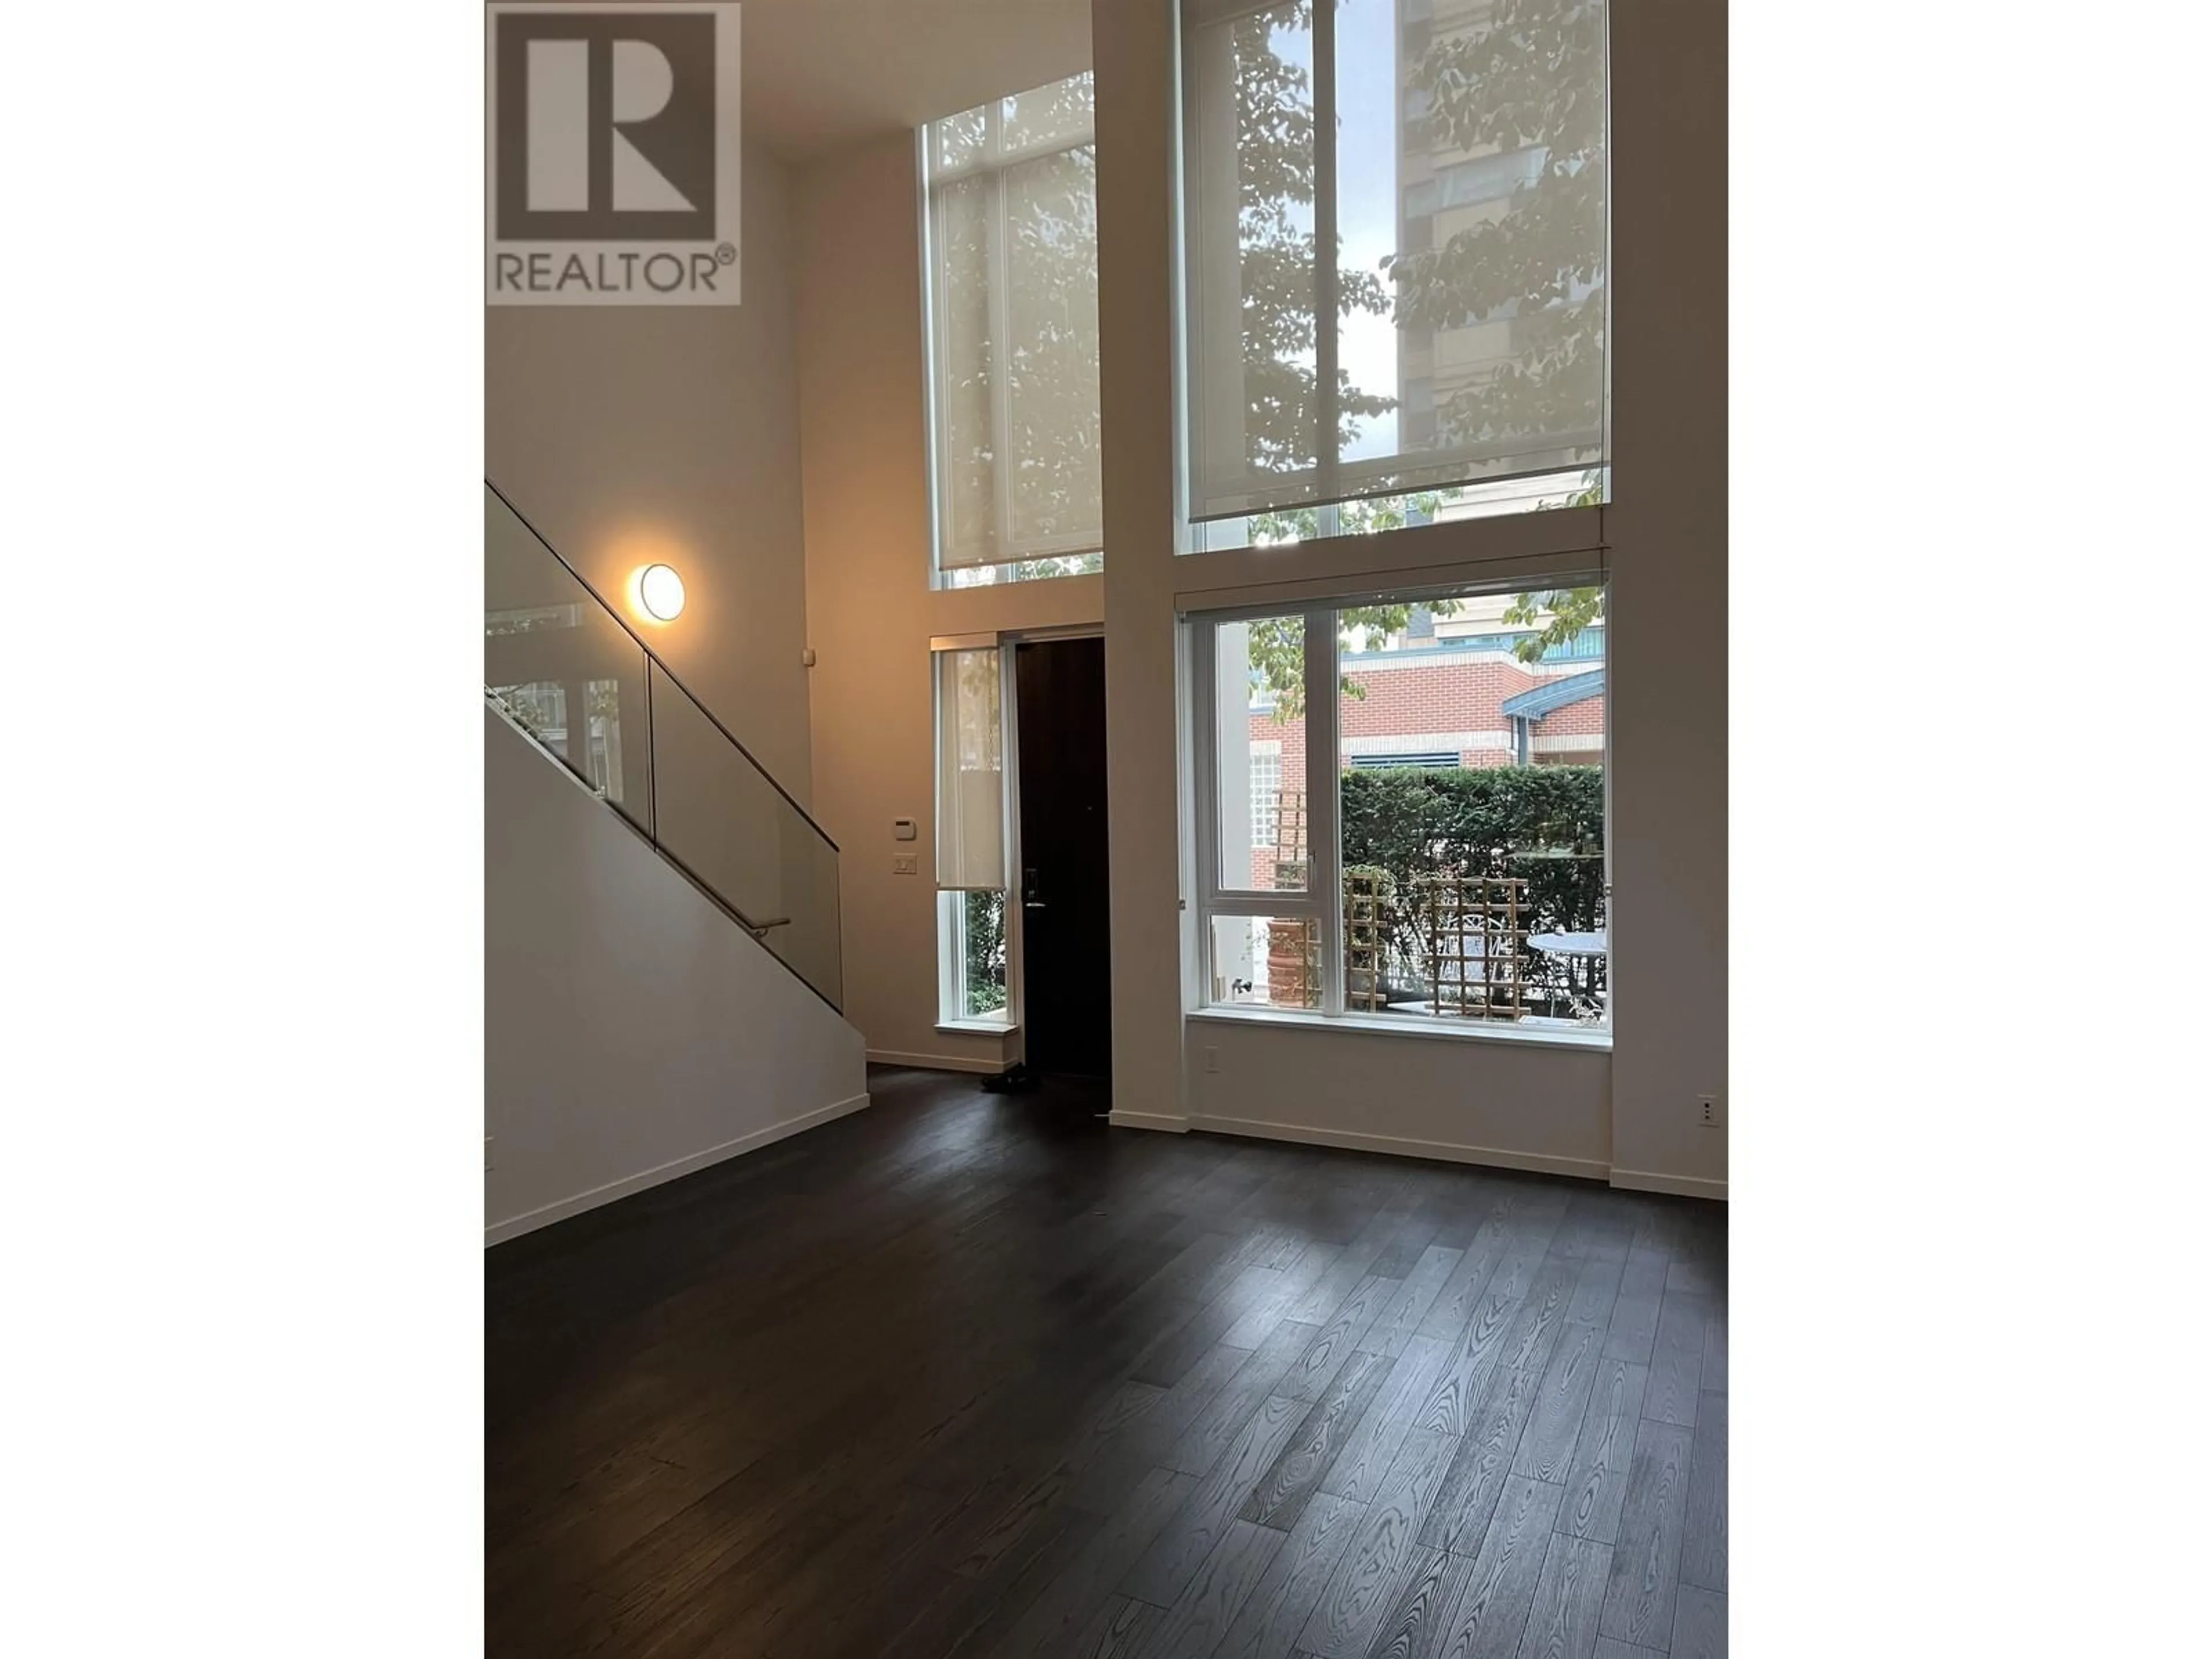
x=906, y=864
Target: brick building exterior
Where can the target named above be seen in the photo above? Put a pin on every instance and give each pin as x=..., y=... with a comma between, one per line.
x=1465, y=702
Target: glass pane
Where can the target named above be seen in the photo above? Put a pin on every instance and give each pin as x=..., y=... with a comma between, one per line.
x=1471, y=752
x=1471, y=185
x=971, y=795
x=810, y=943
x=1270, y=962
x=1025, y=570
x=722, y=819
x=1052, y=376
x=967, y=493
x=1249, y=156
x=1466, y=280
x=1058, y=115
x=1014, y=337
x=977, y=924
x=1260, y=753
x=956, y=141
x=562, y=668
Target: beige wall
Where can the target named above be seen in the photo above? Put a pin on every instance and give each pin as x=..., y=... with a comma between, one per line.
x=864, y=430
x=1132, y=51
x=1668, y=642
x=630, y=433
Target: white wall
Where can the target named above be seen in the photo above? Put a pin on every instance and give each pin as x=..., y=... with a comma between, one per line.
x=632, y=1032
x=628, y=434
x=1500, y=1102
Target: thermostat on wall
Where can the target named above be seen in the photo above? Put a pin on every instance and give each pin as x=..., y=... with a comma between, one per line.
x=902, y=830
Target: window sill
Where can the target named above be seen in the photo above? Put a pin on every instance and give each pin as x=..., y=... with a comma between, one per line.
x=1593, y=1039
x=977, y=1027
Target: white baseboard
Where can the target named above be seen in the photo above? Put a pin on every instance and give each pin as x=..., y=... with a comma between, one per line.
x=531, y=1220
x=1589, y=1169
x=1162, y=1120
x=936, y=1062
x=1648, y=1180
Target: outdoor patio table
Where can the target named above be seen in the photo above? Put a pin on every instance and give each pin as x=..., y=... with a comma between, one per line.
x=1569, y=944
x=1584, y=948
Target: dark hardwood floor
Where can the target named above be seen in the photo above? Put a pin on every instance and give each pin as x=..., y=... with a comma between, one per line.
x=969, y=1374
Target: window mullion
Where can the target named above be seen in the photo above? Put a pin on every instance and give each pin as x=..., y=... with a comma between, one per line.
x=1206, y=760
x=1324, y=847
x=1326, y=282
x=1010, y=906
x=936, y=382
x=999, y=232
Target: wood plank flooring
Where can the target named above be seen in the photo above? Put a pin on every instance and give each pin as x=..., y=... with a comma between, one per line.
x=973, y=1375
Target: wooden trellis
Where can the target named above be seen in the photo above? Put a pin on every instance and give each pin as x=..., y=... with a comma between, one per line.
x=1477, y=926
x=1366, y=939
x=1290, y=866
x=1290, y=825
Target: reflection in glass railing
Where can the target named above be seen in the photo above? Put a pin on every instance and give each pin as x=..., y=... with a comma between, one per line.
x=568, y=671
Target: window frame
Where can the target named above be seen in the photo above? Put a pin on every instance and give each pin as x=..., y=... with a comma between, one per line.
x=929, y=184
x=1324, y=845
x=1212, y=899
x=952, y=984
x=951, y=921
x=1332, y=482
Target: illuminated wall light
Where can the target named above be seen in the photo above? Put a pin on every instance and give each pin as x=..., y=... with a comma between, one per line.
x=659, y=592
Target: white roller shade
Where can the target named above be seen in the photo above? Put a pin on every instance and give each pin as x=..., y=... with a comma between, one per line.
x=971, y=787
x=1395, y=251
x=1013, y=277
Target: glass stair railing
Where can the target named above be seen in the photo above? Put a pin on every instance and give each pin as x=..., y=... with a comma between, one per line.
x=565, y=668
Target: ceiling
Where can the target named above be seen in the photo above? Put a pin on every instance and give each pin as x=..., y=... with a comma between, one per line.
x=820, y=76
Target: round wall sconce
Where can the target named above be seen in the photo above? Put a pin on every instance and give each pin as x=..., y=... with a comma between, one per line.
x=660, y=592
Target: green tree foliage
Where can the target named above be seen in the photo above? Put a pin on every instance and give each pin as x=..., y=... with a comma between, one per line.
x=1532, y=81
x=1558, y=615
x=1278, y=646
x=1276, y=254
x=985, y=935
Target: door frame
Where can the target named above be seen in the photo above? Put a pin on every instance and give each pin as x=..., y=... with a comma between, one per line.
x=1005, y=641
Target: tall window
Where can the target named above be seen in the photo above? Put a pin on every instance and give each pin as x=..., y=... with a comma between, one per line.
x=971, y=837
x=1394, y=252
x=1011, y=264
x=1435, y=850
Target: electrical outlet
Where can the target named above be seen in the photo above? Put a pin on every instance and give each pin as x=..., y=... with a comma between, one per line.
x=906, y=864
x=1711, y=1115
x=487, y=1154
x=1213, y=1058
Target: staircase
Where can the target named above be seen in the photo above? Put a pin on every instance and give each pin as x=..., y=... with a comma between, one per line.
x=663, y=974
x=562, y=667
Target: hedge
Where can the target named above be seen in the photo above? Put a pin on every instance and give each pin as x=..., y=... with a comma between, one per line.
x=1418, y=821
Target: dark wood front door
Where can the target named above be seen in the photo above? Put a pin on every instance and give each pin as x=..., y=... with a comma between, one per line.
x=1060, y=690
